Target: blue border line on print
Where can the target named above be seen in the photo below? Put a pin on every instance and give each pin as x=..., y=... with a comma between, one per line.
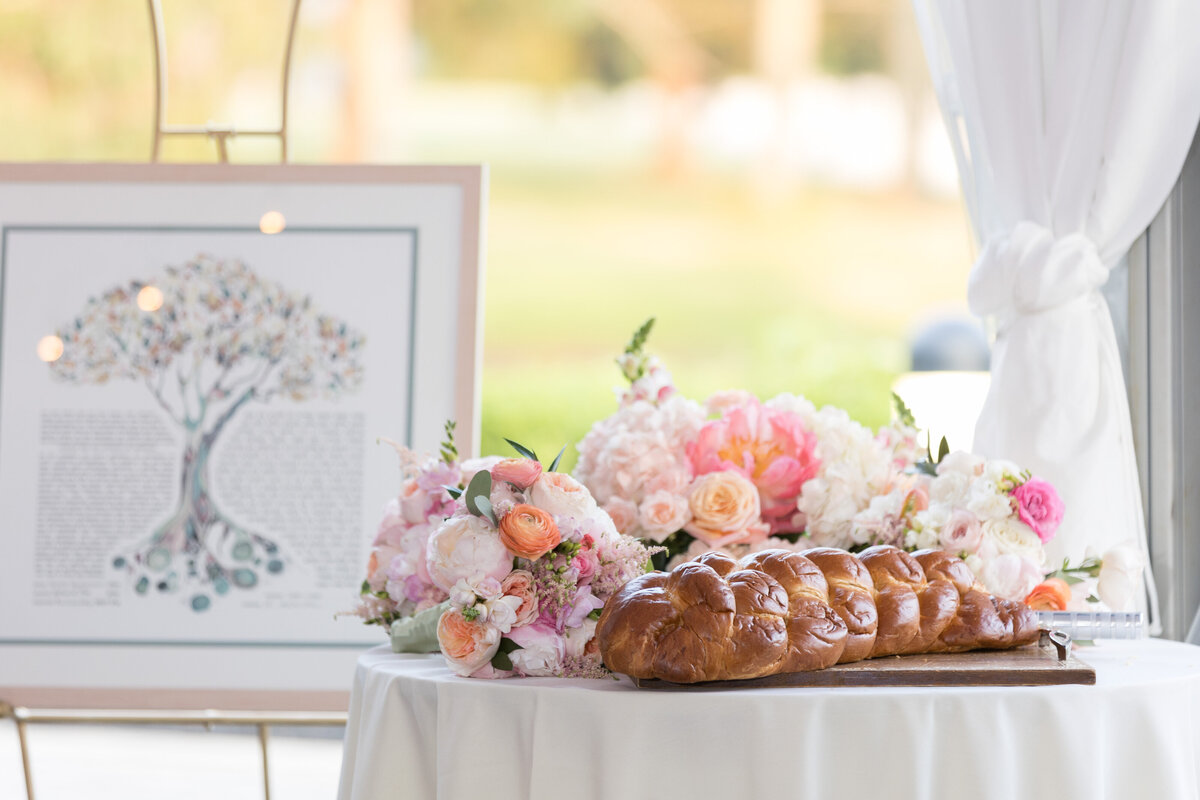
x=412, y=325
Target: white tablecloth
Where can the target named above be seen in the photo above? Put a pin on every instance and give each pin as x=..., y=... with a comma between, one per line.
x=417, y=731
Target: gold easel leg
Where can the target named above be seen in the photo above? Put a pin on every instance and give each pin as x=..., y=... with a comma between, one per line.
x=262, y=740
x=25, y=757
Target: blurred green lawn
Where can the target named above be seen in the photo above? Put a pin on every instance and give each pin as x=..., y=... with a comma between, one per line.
x=816, y=294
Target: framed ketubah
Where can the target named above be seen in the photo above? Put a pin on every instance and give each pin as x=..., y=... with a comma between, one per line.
x=199, y=367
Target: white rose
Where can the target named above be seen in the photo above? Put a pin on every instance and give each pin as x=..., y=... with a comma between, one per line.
x=662, y=514
x=561, y=495
x=987, y=503
x=1120, y=583
x=998, y=469
x=1011, y=576
x=466, y=548
x=1013, y=537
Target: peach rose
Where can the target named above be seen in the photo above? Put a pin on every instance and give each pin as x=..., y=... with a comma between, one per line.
x=520, y=472
x=663, y=513
x=519, y=584
x=1052, y=594
x=562, y=495
x=529, y=532
x=466, y=644
x=725, y=509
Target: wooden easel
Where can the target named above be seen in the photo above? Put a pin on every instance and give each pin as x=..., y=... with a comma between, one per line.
x=263, y=721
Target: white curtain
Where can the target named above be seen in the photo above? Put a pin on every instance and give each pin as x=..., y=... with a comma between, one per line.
x=1071, y=120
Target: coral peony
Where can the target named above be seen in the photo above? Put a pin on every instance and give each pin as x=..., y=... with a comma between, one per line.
x=770, y=446
x=529, y=532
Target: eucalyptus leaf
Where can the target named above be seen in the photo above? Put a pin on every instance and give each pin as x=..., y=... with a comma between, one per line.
x=480, y=486
x=484, y=504
x=557, y=458
x=522, y=450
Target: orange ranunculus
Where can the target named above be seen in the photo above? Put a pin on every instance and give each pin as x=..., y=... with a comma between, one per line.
x=1052, y=594
x=529, y=532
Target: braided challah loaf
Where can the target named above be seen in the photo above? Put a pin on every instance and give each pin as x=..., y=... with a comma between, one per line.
x=778, y=611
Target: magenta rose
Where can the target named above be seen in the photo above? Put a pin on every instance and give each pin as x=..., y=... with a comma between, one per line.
x=1039, y=507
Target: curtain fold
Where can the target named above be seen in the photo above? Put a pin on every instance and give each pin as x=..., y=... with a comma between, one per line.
x=1070, y=121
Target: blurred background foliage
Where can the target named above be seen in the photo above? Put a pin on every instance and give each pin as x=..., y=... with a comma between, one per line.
x=768, y=178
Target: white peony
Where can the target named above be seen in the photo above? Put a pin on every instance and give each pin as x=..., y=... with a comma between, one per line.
x=466, y=548
x=951, y=489
x=1120, y=584
x=1011, y=576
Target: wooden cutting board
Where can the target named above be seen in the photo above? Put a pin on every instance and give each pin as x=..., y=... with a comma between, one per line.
x=1023, y=666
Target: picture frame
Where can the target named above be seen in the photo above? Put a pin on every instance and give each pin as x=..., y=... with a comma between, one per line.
x=201, y=370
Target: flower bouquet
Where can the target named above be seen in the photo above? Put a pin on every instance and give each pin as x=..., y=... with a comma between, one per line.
x=505, y=571
x=740, y=475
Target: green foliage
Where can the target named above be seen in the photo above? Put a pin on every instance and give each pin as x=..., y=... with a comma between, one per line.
x=449, y=450
x=903, y=414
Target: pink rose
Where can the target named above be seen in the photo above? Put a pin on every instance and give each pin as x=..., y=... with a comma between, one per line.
x=520, y=472
x=770, y=446
x=962, y=533
x=663, y=513
x=466, y=644
x=725, y=510
x=1039, y=507
x=623, y=512
x=519, y=584
x=586, y=564
x=561, y=495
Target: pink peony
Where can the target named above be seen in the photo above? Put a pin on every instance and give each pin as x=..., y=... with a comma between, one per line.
x=1039, y=507
x=770, y=446
x=520, y=472
x=392, y=527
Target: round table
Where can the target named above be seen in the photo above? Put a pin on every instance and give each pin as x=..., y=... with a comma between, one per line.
x=417, y=731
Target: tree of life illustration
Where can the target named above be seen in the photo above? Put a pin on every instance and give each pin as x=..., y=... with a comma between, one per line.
x=206, y=340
